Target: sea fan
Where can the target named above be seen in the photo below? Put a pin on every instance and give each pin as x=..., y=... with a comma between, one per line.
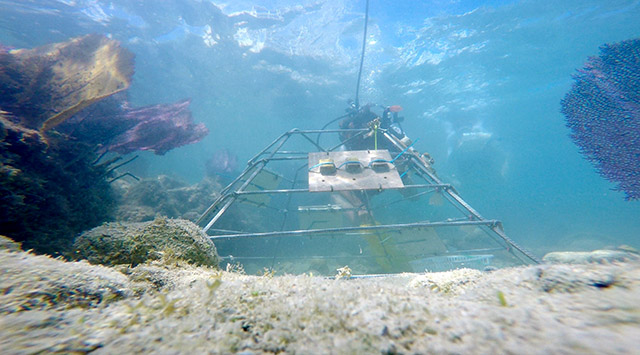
x=158, y=128
x=602, y=109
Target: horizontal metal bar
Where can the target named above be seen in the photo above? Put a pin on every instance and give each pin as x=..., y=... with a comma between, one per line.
x=354, y=229
x=311, y=131
x=296, y=257
x=267, y=192
x=287, y=152
x=420, y=186
x=282, y=158
x=285, y=191
x=359, y=256
x=224, y=230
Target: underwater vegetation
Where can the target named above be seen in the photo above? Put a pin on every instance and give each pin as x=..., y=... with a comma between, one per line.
x=121, y=129
x=62, y=107
x=45, y=86
x=602, y=109
x=49, y=192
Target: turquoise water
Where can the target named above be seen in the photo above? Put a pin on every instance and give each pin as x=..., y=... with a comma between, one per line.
x=480, y=83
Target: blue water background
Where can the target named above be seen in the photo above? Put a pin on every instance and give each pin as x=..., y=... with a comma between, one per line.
x=480, y=83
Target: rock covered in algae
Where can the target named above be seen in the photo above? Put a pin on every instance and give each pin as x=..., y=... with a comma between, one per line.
x=50, y=191
x=8, y=244
x=585, y=257
x=450, y=282
x=52, y=188
x=166, y=196
x=37, y=282
x=533, y=310
x=137, y=243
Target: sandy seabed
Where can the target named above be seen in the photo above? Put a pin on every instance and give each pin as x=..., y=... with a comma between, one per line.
x=50, y=305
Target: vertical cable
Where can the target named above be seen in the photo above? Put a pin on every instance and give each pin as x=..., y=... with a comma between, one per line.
x=364, y=45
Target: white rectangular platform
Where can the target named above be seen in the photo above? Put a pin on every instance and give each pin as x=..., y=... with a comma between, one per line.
x=352, y=176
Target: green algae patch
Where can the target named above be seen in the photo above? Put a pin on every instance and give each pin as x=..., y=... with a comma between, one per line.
x=502, y=299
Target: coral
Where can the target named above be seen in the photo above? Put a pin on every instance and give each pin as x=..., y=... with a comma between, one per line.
x=122, y=129
x=602, y=109
x=137, y=243
x=119, y=128
x=159, y=128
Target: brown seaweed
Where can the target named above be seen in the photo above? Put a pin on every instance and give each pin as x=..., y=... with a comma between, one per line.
x=61, y=79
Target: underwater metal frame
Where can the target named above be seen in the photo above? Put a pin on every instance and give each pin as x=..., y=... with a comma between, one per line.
x=411, y=246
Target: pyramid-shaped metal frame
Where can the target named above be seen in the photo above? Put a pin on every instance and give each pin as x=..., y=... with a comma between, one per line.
x=240, y=188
